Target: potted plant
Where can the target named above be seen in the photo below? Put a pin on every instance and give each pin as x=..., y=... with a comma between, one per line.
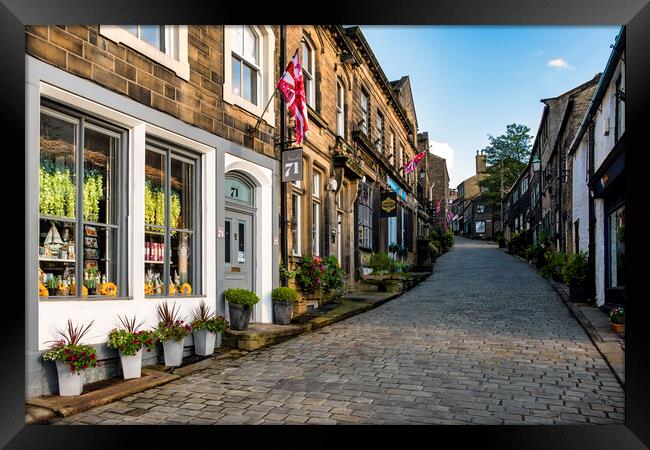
x=283, y=300
x=91, y=281
x=52, y=285
x=206, y=326
x=71, y=358
x=310, y=276
x=574, y=273
x=617, y=319
x=334, y=281
x=129, y=342
x=240, y=302
x=171, y=332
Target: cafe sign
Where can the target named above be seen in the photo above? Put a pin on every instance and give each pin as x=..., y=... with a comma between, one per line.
x=388, y=204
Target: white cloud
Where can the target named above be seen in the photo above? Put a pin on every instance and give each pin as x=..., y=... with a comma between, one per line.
x=444, y=150
x=558, y=63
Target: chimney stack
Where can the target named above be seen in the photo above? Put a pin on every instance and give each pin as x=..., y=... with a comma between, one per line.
x=481, y=163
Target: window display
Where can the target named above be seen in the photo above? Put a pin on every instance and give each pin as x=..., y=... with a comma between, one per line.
x=170, y=247
x=79, y=216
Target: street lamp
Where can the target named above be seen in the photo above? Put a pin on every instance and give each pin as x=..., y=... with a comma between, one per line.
x=536, y=164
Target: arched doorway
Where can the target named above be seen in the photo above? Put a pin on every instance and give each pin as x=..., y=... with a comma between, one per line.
x=240, y=212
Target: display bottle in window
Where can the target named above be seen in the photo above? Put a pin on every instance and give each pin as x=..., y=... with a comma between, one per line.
x=146, y=251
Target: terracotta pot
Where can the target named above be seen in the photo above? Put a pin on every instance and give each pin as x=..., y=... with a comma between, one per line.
x=618, y=327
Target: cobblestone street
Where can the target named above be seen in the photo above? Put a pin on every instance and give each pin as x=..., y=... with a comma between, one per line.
x=496, y=347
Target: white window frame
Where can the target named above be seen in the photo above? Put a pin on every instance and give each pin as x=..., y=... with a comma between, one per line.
x=365, y=112
x=315, y=245
x=380, y=132
x=316, y=184
x=176, y=41
x=297, y=249
x=309, y=78
x=480, y=209
x=476, y=224
x=243, y=60
x=340, y=108
x=266, y=83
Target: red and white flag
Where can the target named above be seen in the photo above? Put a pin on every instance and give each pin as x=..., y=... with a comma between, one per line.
x=410, y=166
x=292, y=88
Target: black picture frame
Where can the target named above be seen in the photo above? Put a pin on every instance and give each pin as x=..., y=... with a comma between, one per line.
x=635, y=14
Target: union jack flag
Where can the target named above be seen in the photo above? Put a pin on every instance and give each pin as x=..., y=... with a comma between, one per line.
x=410, y=166
x=292, y=87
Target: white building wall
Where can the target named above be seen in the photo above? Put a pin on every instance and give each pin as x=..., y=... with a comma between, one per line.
x=580, y=193
x=605, y=120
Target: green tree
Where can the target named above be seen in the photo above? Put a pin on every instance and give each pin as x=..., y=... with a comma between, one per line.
x=506, y=156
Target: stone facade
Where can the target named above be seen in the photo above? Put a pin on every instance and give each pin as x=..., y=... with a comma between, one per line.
x=87, y=53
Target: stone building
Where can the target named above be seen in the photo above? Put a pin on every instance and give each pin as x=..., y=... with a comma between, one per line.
x=433, y=173
x=467, y=190
x=151, y=129
x=597, y=157
x=516, y=205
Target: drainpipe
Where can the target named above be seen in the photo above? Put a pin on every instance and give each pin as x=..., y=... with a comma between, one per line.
x=592, y=219
x=283, y=185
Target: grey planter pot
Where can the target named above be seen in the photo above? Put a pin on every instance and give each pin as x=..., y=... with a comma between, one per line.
x=577, y=295
x=239, y=316
x=173, y=351
x=282, y=312
x=204, y=342
x=70, y=383
x=131, y=365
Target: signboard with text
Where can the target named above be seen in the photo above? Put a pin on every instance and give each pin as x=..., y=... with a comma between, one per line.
x=292, y=165
x=388, y=204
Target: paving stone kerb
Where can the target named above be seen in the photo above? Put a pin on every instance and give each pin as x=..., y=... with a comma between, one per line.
x=484, y=340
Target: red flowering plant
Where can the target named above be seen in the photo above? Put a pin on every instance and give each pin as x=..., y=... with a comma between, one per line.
x=204, y=318
x=311, y=274
x=70, y=351
x=130, y=339
x=171, y=327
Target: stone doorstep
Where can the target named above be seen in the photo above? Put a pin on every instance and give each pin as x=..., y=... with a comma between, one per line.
x=119, y=388
x=263, y=335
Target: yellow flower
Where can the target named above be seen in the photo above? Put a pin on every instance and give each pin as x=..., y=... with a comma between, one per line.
x=148, y=289
x=172, y=289
x=84, y=291
x=42, y=290
x=186, y=288
x=108, y=289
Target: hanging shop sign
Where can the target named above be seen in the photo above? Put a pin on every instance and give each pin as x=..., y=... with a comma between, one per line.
x=292, y=165
x=388, y=204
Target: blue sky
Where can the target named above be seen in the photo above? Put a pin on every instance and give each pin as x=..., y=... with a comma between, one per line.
x=471, y=81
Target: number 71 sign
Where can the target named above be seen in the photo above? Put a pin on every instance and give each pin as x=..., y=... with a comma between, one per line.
x=292, y=165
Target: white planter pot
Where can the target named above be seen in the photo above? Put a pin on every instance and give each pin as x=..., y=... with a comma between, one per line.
x=204, y=342
x=173, y=352
x=131, y=365
x=70, y=383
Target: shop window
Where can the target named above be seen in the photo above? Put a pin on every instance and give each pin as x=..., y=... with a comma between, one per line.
x=364, y=215
x=172, y=217
x=616, y=247
x=82, y=228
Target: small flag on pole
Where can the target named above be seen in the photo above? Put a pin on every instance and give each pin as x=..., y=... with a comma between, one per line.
x=292, y=87
x=410, y=166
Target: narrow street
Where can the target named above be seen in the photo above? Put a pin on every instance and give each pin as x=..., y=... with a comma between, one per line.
x=484, y=340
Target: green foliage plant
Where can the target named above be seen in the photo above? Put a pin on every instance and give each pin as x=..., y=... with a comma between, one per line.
x=310, y=274
x=334, y=274
x=617, y=315
x=129, y=339
x=69, y=349
x=284, y=295
x=171, y=326
x=380, y=263
x=204, y=318
x=243, y=297
x=574, y=273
